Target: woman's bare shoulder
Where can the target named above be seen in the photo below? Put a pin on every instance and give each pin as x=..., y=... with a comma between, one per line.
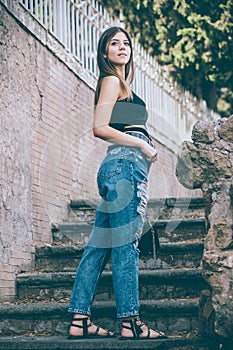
x=110, y=88
x=111, y=80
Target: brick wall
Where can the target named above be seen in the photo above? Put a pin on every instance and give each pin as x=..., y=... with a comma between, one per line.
x=19, y=115
x=48, y=154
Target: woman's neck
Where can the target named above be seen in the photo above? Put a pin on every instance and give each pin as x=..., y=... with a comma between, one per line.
x=121, y=71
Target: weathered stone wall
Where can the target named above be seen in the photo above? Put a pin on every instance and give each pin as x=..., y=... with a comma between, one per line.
x=48, y=154
x=40, y=97
x=207, y=163
x=19, y=115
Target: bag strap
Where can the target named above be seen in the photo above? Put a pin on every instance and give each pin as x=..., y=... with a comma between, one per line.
x=155, y=239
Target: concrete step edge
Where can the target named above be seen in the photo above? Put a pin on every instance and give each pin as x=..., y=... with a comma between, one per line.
x=58, y=277
x=74, y=250
x=158, y=223
x=52, y=309
x=180, y=222
x=61, y=342
x=189, y=202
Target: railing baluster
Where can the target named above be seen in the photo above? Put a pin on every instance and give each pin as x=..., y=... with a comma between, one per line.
x=94, y=50
x=58, y=20
x=82, y=54
x=46, y=13
x=86, y=58
x=64, y=22
x=72, y=30
x=31, y=6
x=54, y=17
x=89, y=43
x=68, y=36
x=50, y=16
x=40, y=11
x=78, y=47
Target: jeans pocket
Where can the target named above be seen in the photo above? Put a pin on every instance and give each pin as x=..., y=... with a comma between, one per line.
x=110, y=167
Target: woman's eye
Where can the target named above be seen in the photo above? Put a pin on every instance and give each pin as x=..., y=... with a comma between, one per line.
x=114, y=43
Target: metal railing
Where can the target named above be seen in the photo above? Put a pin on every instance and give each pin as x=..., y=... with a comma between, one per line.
x=78, y=24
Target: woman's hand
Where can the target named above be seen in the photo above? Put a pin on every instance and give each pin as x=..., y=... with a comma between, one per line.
x=149, y=151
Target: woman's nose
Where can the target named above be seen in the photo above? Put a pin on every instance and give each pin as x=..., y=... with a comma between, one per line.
x=122, y=46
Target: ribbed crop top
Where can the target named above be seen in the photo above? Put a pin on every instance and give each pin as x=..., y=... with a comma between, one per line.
x=128, y=112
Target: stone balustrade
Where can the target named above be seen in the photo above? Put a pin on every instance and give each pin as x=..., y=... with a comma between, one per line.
x=207, y=163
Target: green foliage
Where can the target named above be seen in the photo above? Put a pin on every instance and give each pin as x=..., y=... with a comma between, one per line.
x=195, y=38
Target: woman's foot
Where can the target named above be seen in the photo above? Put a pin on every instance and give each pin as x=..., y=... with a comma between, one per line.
x=82, y=327
x=134, y=328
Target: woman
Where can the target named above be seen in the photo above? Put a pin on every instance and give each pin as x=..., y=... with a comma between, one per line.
x=120, y=118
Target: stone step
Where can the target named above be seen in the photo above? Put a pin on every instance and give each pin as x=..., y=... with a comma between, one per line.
x=169, y=290
x=172, y=208
x=62, y=343
x=84, y=210
x=72, y=233
x=57, y=258
x=178, y=255
x=181, y=229
x=176, y=318
x=153, y=284
x=174, y=230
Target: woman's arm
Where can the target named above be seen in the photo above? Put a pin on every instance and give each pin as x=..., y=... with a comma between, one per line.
x=109, y=94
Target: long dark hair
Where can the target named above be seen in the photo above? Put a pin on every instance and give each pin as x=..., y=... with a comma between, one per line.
x=105, y=66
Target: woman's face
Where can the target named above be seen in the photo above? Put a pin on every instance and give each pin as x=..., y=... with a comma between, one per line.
x=118, y=49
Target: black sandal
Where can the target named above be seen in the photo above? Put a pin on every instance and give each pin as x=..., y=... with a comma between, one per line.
x=85, y=325
x=136, y=329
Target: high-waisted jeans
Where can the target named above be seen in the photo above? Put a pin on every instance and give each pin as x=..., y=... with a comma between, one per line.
x=122, y=183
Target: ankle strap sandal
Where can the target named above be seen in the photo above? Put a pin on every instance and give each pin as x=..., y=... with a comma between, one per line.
x=135, y=326
x=85, y=324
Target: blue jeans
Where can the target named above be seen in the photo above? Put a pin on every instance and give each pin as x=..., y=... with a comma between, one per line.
x=122, y=183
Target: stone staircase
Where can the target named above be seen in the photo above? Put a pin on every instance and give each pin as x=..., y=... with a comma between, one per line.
x=170, y=288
